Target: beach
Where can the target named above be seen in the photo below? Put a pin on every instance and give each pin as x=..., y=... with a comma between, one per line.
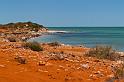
x=56, y=62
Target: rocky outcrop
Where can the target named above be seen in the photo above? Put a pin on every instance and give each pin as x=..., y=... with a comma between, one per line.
x=23, y=25
x=21, y=30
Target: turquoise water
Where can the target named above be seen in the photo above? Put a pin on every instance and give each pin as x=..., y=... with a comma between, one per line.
x=87, y=36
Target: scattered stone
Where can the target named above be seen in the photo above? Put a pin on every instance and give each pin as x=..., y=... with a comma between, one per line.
x=2, y=65
x=122, y=55
x=91, y=76
x=42, y=71
x=97, y=60
x=60, y=66
x=20, y=59
x=111, y=76
x=84, y=66
x=79, y=68
x=57, y=57
x=42, y=63
x=4, y=40
x=48, y=64
x=98, y=73
x=46, y=71
x=110, y=79
x=120, y=62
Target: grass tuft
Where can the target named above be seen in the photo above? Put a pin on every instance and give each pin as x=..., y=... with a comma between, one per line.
x=119, y=72
x=35, y=46
x=103, y=52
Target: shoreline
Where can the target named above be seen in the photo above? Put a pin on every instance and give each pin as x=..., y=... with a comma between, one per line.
x=49, y=32
x=56, y=62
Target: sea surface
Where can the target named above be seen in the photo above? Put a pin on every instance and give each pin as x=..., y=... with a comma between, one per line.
x=87, y=36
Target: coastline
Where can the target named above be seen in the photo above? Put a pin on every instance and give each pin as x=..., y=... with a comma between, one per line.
x=56, y=63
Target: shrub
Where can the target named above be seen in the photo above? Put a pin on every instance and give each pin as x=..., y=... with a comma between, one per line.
x=54, y=44
x=35, y=46
x=103, y=52
x=119, y=72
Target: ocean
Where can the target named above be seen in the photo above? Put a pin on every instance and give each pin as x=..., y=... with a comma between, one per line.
x=86, y=36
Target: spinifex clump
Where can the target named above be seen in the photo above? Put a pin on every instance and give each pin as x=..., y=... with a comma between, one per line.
x=103, y=52
x=35, y=46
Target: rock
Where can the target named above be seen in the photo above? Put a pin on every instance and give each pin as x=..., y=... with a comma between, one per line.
x=91, y=75
x=84, y=66
x=122, y=55
x=57, y=57
x=111, y=76
x=110, y=79
x=98, y=73
x=46, y=71
x=42, y=63
x=4, y=40
x=21, y=59
x=120, y=62
x=62, y=67
x=97, y=60
x=2, y=66
x=49, y=64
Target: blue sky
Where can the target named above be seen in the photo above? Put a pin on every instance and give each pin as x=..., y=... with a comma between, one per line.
x=64, y=12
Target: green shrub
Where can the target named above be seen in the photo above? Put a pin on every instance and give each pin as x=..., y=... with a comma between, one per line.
x=103, y=52
x=35, y=46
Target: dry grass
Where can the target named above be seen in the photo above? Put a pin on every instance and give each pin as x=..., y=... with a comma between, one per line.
x=35, y=46
x=103, y=52
x=119, y=72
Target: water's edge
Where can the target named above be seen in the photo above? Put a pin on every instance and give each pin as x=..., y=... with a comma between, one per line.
x=89, y=37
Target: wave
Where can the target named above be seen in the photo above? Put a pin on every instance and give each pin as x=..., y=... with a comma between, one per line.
x=56, y=31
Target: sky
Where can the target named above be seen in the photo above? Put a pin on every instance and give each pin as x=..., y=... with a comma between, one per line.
x=64, y=12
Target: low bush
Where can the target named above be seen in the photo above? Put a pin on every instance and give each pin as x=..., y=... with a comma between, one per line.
x=119, y=73
x=103, y=52
x=54, y=44
x=35, y=46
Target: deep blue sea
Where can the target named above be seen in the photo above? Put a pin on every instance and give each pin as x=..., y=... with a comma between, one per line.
x=87, y=36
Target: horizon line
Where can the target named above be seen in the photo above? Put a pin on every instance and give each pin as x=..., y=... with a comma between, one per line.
x=84, y=26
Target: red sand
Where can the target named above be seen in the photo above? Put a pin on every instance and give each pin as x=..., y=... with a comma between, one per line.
x=39, y=68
